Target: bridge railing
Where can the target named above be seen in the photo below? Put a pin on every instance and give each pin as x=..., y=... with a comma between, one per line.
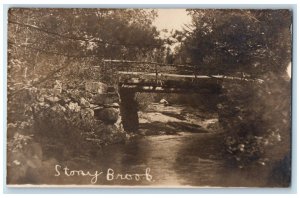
x=163, y=69
x=153, y=67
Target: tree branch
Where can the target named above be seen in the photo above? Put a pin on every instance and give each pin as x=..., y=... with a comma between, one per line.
x=50, y=52
x=84, y=39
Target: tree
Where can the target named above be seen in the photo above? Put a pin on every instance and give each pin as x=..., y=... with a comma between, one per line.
x=51, y=54
x=44, y=40
x=255, y=117
x=232, y=41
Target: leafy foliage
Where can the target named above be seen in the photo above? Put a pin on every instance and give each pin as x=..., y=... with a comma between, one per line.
x=256, y=117
x=51, y=54
x=257, y=121
x=76, y=39
x=231, y=41
x=53, y=47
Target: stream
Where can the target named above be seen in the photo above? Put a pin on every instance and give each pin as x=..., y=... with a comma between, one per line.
x=178, y=146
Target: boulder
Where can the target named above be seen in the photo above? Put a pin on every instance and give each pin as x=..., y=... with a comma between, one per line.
x=64, y=101
x=58, y=108
x=107, y=115
x=95, y=87
x=87, y=114
x=84, y=103
x=110, y=134
x=111, y=89
x=113, y=105
x=73, y=106
x=108, y=98
x=74, y=95
x=51, y=99
x=110, y=129
x=164, y=102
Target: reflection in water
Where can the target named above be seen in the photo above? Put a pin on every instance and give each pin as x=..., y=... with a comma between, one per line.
x=180, y=159
x=185, y=159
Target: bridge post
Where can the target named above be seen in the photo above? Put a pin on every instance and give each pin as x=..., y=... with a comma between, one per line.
x=129, y=110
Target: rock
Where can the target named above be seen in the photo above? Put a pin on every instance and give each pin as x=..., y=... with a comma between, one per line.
x=73, y=106
x=84, y=102
x=164, y=101
x=96, y=87
x=118, y=124
x=74, y=95
x=64, y=101
x=111, y=89
x=93, y=106
x=108, y=98
x=107, y=115
x=57, y=89
x=111, y=134
x=113, y=105
x=87, y=114
x=58, y=108
x=88, y=95
x=110, y=129
x=51, y=99
x=43, y=105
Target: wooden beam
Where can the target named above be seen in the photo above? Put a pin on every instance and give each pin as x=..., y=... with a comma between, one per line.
x=153, y=89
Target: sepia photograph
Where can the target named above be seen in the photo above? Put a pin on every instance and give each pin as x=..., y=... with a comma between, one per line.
x=164, y=98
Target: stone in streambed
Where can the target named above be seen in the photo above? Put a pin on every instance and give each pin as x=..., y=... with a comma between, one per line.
x=107, y=115
x=108, y=98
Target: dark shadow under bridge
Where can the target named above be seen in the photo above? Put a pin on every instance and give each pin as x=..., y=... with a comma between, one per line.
x=153, y=77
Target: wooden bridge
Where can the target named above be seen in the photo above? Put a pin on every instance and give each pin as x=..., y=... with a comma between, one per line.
x=168, y=83
x=139, y=76
x=134, y=76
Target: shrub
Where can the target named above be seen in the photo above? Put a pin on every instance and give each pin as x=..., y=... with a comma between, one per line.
x=256, y=120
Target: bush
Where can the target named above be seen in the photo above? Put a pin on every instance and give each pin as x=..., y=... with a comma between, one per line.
x=256, y=120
